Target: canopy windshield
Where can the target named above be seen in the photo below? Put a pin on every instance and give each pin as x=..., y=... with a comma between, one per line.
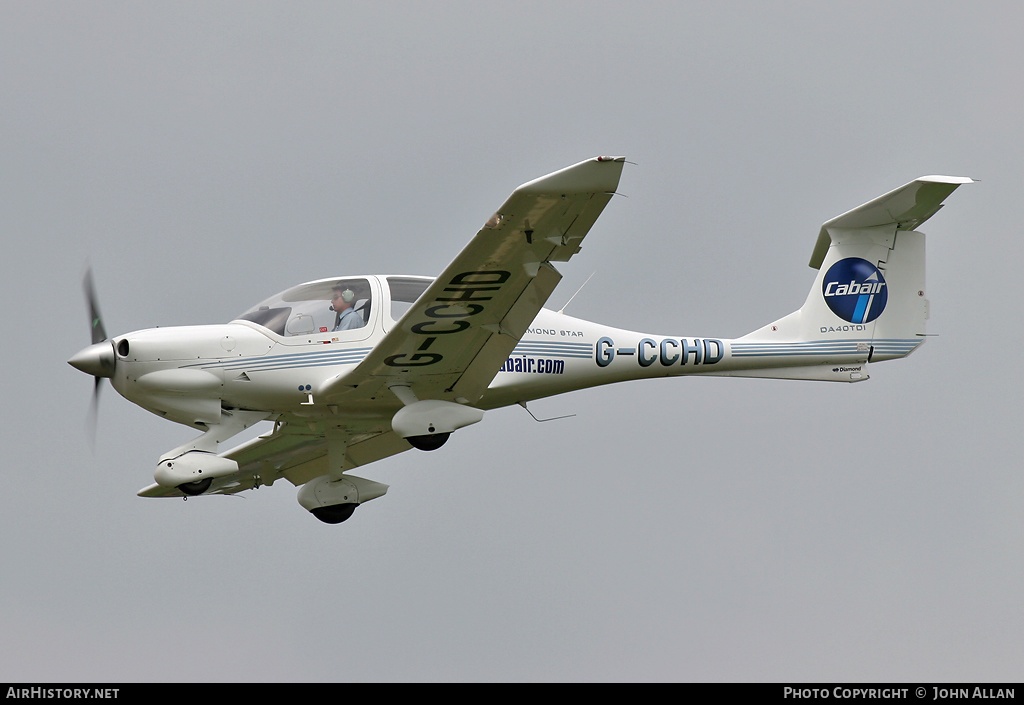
x=317, y=307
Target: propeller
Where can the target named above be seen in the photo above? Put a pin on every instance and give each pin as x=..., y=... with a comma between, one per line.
x=99, y=333
x=98, y=359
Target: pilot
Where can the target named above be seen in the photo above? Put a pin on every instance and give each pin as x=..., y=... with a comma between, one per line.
x=341, y=303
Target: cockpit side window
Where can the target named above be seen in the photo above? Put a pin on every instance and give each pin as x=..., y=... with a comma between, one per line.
x=404, y=292
x=350, y=303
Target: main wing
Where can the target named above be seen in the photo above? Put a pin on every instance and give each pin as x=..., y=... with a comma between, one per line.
x=455, y=337
x=293, y=452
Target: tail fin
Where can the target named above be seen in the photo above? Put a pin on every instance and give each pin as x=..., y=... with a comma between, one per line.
x=868, y=301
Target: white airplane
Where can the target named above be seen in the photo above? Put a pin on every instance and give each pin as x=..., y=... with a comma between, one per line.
x=354, y=369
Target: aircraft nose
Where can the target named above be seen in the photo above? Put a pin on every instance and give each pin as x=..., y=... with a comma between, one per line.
x=97, y=359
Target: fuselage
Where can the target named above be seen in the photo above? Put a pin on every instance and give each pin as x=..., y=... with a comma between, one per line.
x=277, y=360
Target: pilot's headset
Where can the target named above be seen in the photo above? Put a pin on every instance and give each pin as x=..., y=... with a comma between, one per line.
x=347, y=295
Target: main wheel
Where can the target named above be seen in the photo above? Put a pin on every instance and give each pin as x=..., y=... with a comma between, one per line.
x=432, y=441
x=334, y=514
x=196, y=488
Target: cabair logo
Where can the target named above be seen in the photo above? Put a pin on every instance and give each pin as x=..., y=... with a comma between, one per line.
x=855, y=290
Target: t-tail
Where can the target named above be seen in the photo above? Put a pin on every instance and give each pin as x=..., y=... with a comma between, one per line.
x=868, y=301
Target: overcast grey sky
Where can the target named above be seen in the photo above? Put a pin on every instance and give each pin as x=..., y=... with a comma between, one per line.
x=205, y=155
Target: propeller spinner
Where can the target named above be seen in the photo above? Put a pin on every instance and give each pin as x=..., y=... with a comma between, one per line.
x=98, y=359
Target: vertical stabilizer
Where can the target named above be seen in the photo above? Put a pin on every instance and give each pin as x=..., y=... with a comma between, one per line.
x=868, y=301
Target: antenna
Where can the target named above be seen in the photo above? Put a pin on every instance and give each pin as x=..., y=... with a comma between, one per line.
x=553, y=418
x=562, y=310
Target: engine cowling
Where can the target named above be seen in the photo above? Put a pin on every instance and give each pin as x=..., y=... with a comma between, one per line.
x=333, y=501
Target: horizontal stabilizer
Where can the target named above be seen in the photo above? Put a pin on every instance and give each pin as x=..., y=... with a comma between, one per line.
x=906, y=208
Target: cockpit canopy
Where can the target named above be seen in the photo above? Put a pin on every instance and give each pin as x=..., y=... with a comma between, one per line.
x=324, y=306
x=308, y=309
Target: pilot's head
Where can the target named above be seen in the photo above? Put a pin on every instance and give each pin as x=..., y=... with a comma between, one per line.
x=343, y=298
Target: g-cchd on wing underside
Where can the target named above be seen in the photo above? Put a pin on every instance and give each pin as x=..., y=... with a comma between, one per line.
x=354, y=369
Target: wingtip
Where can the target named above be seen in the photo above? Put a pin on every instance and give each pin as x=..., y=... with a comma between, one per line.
x=942, y=179
x=589, y=176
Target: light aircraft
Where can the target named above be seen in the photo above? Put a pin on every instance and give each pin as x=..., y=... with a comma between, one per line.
x=353, y=369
